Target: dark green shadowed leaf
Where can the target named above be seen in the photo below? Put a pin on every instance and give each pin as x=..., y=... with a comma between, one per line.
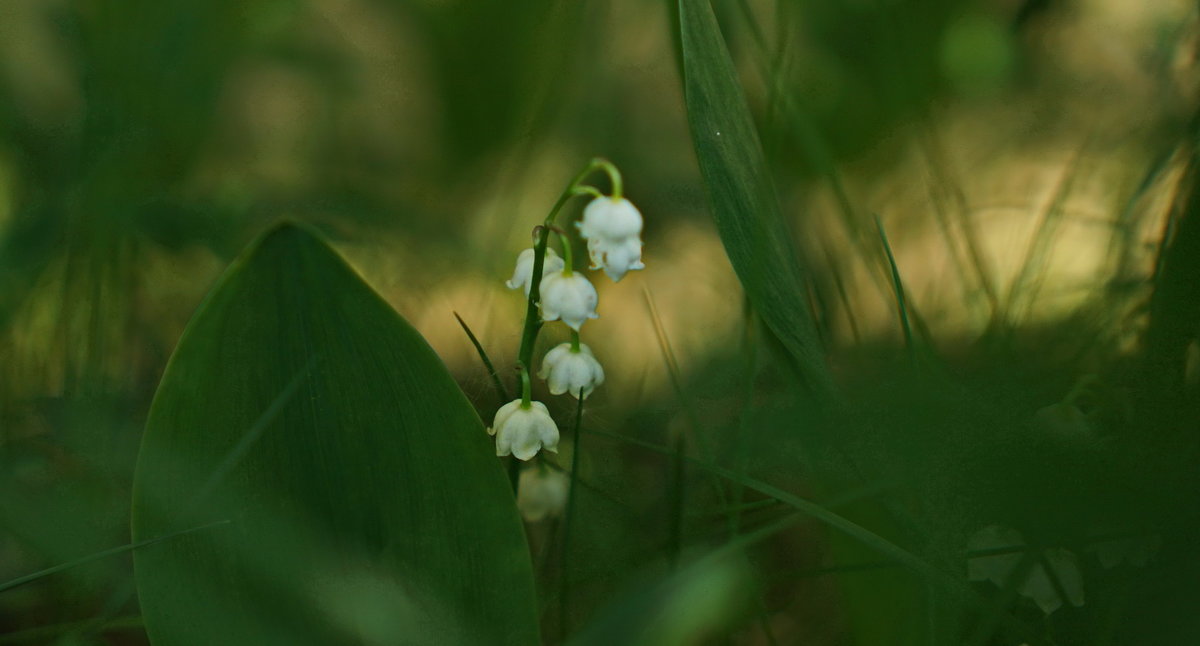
x=740, y=191
x=365, y=502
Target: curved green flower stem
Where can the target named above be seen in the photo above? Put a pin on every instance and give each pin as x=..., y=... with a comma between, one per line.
x=574, y=341
x=525, y=387
x=533, y=322
x=585, y=189
x=614, y=176
x=568, y=261
x=563, y=582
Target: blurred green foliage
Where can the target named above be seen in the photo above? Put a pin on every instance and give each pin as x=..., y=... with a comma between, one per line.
x=143, y=143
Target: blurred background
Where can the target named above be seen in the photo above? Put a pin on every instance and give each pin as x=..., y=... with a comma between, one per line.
x=1024, y=157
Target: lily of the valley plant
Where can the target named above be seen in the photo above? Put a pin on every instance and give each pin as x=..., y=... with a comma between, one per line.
x=555, y=291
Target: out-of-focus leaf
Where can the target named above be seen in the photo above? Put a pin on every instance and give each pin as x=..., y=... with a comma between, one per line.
x=365, y=503
x=520, y=53
x=740, y=191
x=886, y=606
x=697, y=605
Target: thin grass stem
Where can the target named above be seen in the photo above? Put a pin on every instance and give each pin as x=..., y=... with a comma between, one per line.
x=497, y=384
x=41, y=574
x=898, y=286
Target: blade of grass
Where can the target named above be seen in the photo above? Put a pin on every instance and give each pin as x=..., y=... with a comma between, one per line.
x=260, y=426
x=1039, y=245
x=839, y=284
x=41, y=574
x=47, y=634
x=942, y=188
x=501, y=392
x=677, y=494
x=816, y=150
x=673, y=372
x=1175, y=303
x=898, y=286
x=1124, y=243
x=825, y=515
x=514, y=466
x=741, y=194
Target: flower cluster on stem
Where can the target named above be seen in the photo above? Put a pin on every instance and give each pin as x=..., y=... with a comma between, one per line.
x=555, y=291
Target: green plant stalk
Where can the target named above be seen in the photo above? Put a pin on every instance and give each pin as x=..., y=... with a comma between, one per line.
x=568, y=514
x=514, y=465
x=533, y=321
x=567, y=255
x=526, y=388
x=677, y=501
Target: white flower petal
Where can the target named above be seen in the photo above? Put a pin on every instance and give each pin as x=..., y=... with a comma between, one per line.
x=605, y=217
x=524, y=431
x=523, y=273
x=566, y=371
x=570, y=297
x=613, y=229
x=623, y=258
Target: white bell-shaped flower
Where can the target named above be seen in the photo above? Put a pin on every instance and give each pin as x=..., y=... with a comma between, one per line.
x=522, y=430
x=570, y=297
x=567, y=370
x=613, y=218
x=542, y=493
x=523, y=274
x=613, y=228
x=617, y=259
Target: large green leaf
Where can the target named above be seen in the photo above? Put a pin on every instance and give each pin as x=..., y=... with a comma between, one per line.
x=740, y=190
x=365, y=502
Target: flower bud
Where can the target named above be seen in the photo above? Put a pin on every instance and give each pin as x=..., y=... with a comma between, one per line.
x=542, y=493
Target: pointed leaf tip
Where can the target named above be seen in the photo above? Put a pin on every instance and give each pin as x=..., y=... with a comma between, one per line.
x=363, y=499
